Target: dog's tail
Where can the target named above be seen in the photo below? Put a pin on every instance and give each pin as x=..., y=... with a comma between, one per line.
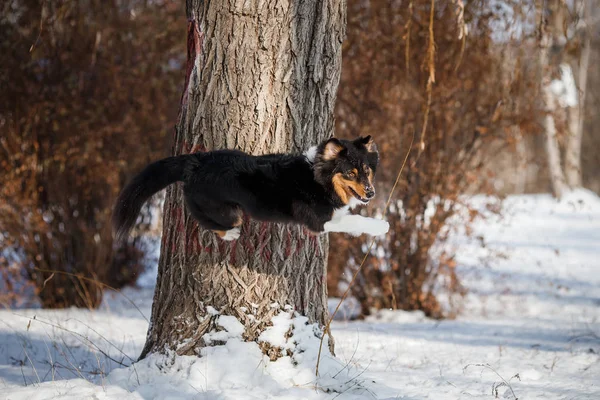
x=154, y=178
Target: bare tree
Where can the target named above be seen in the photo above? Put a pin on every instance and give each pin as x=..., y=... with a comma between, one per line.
x=583, y=29
x=550, y=37
x=557, y=176
x=261, y=77
x=564, y=96
x=68, y=122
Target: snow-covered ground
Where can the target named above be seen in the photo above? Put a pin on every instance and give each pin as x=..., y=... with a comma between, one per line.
x=530, y=328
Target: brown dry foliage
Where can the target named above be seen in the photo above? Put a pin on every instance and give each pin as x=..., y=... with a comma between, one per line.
x=89, y=96
x=458, y=95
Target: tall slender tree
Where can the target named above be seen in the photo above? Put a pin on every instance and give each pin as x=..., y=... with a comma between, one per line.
x=261, y=77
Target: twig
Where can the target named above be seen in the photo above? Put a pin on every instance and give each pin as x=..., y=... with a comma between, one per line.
x=41, y=28
x=408, y=26
x=102, y=337
x=351, y=358
x=31, y=362
x=74, y=370
x=49, y=356
x=47, y=280
x=23, y=375
x=496, y=386
x=78, y=335
x=93, y=281
x=431, y=79
x=463, y=32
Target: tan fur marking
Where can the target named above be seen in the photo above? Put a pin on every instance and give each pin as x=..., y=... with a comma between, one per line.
x=331, y=150
x=357, y=187
x=340, y=187
x=220, y=233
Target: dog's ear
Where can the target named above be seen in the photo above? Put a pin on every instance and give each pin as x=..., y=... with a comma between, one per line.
x=333, y=148
x=373, y=160
x=366, y=141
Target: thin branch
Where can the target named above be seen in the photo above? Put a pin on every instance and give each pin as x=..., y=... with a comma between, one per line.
x=93, y=281
x=389, y=200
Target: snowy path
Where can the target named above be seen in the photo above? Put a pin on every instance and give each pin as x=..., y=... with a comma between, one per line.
x=532, y=318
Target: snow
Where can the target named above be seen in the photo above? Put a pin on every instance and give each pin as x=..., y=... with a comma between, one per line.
x=565, y=88
x=276, y=334
x=529, y=328
x=232, y=328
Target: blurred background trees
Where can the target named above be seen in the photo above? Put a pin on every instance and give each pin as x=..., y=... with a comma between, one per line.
x=467, y=79
x=90, y=91
x=89, y=95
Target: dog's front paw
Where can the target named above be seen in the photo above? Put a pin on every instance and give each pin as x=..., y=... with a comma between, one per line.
x=375, y=227
x=231, y=234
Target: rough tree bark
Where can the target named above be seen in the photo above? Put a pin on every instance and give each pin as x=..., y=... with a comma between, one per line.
x=262, y=77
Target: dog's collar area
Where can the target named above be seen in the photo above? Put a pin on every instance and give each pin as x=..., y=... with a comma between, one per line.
x=354, y=202
x=311, y=154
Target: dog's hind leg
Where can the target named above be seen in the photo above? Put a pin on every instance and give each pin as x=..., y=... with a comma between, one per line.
x=222, y=219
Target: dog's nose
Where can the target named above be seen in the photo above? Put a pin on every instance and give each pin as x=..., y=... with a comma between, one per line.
x=369, y=192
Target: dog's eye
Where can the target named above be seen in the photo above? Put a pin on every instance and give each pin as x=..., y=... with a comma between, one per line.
x=351, y=174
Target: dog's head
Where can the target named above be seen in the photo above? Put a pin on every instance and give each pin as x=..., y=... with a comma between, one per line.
x=347, y=167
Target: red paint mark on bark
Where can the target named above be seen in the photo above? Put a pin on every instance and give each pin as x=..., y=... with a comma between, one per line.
x=262, y=247
x=249, y=246
x=197, y=148
x=233, y=254
x=267, y=254
x=194, y=242
x=194, y=46
x=163, y=240
x=221, y=246
x=300, y=241
x=314, y=241
x=178, y=218
x=177, y=222
x=185, y=147
x=188, y=148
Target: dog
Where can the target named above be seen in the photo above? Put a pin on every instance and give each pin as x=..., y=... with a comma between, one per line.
x=315, y=189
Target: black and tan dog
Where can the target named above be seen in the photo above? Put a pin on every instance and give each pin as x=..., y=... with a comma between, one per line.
x=314, y=189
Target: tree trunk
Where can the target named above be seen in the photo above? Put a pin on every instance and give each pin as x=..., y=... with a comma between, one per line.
x=557, y=177
x=261, y=77
x=550, y=36
x=576, y=114
x=573, y=147
x=522, y=161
